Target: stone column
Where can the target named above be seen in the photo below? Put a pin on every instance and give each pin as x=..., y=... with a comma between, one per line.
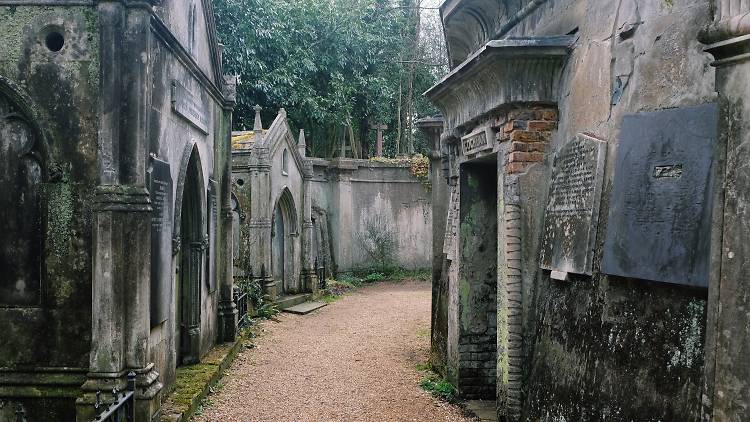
x=727, y=373
x=308, y=274
x=439, y=327
x=122, y=234
x=227, y=307
x=260, y=219
x=343, y=212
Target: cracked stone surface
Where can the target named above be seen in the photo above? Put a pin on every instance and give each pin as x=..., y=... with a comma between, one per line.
x=354, y=360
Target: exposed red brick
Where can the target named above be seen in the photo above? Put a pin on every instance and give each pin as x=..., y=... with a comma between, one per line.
x=520, y=146
x=512, y=168
x=550, y=115
x=536, y=147
x=527, y=157
x=525, y=136
x=512, y=125
x=521, y=115
x=541, y=125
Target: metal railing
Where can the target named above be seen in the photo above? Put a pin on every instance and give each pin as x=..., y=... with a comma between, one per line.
x=320, y=271
x=122, y=409
x=241, y=300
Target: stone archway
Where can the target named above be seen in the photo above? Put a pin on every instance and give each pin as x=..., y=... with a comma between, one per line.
x=190, y=259
x=283, y=228
x=21, y=178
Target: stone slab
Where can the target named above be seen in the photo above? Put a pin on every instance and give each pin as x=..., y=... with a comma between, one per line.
x=572, y=211
x=659, y=224
x=190, y=107
x=160, y=189
x=305, y=308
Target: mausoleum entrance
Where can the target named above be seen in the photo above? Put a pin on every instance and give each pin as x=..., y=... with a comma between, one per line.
x=190, y=261
x=282, y=257
x=477, y=289
x=21, y=229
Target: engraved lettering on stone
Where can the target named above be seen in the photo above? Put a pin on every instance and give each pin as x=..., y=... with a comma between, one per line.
x=185, y=104
x=476, y=141
x=573, y=207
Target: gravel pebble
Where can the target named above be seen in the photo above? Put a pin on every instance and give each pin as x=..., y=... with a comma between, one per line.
x=353, y=360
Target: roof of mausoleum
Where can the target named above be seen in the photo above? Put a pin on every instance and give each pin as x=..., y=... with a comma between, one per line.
x=242, y=140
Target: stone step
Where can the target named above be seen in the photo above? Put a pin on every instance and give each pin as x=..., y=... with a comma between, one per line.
x=305, y=308
x=288, y=301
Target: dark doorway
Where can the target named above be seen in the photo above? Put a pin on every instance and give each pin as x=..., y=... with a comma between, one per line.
x=190, y=265
x=477, y=343
x=278, y=240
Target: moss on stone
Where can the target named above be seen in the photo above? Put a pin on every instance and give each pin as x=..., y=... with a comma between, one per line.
x=192, y=382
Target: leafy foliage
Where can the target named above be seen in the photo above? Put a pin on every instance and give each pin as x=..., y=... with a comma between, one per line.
x=336, y=66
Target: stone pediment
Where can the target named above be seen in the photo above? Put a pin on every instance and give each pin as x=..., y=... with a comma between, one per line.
x=511, y=70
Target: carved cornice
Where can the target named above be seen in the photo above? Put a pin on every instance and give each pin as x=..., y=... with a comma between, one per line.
x=512, y=70
x=732, y=19
x=122, y=198
x=730, y=51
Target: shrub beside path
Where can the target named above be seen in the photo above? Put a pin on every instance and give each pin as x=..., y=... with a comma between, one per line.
x=354, y=360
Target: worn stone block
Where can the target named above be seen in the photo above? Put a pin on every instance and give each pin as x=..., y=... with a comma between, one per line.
x=573, y=206
x=659, y=224
x=160, y=189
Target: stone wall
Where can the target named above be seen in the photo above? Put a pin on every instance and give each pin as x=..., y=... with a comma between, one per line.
x=52, y=90
x=356, y=193
x=593, y=347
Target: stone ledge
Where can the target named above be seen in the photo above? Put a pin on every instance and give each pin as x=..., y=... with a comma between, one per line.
x=193, y=382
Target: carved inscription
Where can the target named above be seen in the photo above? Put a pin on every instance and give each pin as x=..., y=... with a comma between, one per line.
x=185, y=104
x=160, y=184
x=477, y=141
x=660, y=213
x=573, y=206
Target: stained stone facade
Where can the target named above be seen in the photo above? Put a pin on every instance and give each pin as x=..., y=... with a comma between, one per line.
x=116, y=225
x=298, y=218
x=577, y=132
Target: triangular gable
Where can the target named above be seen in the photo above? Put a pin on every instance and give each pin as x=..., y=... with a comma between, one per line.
x=192, y=23
x=280, y=134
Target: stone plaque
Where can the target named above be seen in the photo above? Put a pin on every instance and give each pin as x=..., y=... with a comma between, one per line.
x=213, y=216
x=572, y=211
x=187, y=105
x=160, y=187
x=476, y=141
x=659, y=224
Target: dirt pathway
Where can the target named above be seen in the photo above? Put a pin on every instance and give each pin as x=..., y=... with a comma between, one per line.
x=353, y=360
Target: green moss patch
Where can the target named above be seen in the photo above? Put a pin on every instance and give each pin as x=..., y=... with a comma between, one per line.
x=193, y=382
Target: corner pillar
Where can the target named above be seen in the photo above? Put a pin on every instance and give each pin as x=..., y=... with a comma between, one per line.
x=726, y=390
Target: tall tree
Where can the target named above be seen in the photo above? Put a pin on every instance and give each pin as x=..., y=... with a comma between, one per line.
x=336, y=66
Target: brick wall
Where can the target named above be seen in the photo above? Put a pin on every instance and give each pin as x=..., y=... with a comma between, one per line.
x=529, y=132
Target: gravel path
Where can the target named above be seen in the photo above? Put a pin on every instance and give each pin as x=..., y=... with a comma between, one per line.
x=354, y=360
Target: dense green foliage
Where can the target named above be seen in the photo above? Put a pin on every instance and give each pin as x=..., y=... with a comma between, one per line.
x=336, y=66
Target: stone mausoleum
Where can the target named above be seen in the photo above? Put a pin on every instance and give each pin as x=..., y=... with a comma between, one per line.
x=298, y=219
x=593, y=263
x=115, y=241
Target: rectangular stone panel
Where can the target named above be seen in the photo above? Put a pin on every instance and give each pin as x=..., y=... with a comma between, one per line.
x=479, y=140
x=160, y=188
x=213, y=217
x=190, y=107
x=659, y=224
x=572, y=211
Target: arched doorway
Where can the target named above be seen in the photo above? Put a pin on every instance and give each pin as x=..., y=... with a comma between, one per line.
x=190, y=261
x=283, y=229
x=21, y=229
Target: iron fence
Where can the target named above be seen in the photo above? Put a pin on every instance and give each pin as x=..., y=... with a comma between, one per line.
x=241, y=300
x=320, y=270
x=122, y=409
